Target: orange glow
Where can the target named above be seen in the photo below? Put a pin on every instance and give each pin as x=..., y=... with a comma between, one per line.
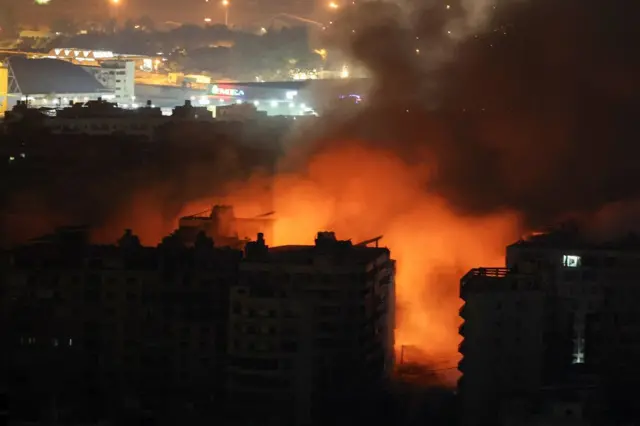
x=360, y=193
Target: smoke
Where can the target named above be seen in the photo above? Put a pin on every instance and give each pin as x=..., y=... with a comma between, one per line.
x=483, y=119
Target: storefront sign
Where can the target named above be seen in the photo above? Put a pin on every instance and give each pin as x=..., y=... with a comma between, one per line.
x=225, y=91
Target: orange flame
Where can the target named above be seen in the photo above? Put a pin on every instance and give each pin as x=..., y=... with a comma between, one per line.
x=360, y=193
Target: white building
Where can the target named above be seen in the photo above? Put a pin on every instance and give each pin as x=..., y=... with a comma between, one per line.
x=118, y=76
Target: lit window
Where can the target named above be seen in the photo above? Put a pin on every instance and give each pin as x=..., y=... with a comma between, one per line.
x=571, y=261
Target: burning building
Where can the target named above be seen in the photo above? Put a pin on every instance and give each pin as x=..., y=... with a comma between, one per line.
x=221, y=224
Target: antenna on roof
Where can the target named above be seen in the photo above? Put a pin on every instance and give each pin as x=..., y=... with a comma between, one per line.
x=199, y=213
x=266, y=214
x=365, y=243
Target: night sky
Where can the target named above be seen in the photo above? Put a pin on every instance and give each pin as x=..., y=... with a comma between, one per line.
x=243, y=11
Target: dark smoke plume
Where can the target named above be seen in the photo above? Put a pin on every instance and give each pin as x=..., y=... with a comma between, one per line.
x=524, y=104
x=530, y=105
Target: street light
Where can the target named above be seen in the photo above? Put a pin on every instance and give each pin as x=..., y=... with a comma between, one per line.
x=333, y=5
x=225, y=4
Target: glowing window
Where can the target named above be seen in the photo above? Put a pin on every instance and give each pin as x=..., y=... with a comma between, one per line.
x=571, y=261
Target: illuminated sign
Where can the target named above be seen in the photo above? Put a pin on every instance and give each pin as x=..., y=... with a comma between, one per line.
x=225, y=91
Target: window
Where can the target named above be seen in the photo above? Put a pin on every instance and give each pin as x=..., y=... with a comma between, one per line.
x=571, y=261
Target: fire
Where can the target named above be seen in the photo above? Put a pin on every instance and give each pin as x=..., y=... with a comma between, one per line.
x=359, y=193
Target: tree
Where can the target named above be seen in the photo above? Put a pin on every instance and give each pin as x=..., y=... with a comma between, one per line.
x=146, y=23
x=64, y=25
x=8, y=24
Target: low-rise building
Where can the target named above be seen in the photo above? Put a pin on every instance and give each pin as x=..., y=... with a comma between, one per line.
x=118, y=76
x=100, y=117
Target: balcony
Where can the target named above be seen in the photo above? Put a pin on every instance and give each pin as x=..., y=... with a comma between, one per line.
x=461, y=365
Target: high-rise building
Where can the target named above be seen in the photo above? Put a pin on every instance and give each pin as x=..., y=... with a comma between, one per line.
x=93, y=327
x=563, y=302
x=284, y=334
x=311, y=330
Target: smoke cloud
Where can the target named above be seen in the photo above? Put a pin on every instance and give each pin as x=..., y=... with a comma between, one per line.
x=484, y=119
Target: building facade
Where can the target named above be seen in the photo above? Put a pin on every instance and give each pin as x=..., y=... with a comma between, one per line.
x=506, y=316
x=119, y=76
x=194, y=331
x=310, y=331
x=563, y=304
x=93, y=329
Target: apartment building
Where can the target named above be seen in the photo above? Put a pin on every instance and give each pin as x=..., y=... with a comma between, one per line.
x=93, y=328
x=311, y=329
x=582, y=272
x=507, y=317
x=563, y=300
x=222, y=224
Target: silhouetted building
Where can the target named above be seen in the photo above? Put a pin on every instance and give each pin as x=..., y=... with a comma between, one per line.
x=190, y=112
x=100, y=117
x=563, y=303
x=123, y=332
x=310, y=332
x=507, y=335
x=97, y=328
x=4, y=407
x=224, y=227
x=582, y=272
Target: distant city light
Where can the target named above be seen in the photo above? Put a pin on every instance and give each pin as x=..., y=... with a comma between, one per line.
x=43, y=2
x=207, y=19
x=333, y=5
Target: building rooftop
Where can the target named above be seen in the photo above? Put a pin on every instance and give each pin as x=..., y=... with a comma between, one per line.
x=70, y=248
x=52, y=76
x=574, y=239
x=497, y=280
x=326, y=246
